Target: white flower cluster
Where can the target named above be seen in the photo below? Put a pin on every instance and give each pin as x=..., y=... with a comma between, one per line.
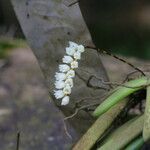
x=64, y=78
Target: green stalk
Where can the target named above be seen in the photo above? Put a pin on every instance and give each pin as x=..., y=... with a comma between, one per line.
x=136, y=144
x=123, y=135
x=146, y=128
x=99, y=127
x=120, y=93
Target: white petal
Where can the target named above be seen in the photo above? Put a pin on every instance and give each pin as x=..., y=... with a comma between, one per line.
x=65, y=100
x=60, y=76
x=77, y=55
x=59, y=94
x=81, y=48
x=70, y=74
x=67, y=90
x=64, y=68
x=67, y=59
x=70, y=50
x=73, y=44
x=59, y=84
x=74, y=64
x=69, y=82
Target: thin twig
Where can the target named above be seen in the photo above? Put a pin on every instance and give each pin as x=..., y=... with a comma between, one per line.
x=90, y=86
x=131, y=73
x=110, y=54
x=115, y=83
x=96, y=87
x=128, y=75
x=109, y=83
x=18, y=141
x=73, y=3
x=81, y=108
x=66, y=130
x=71, y=116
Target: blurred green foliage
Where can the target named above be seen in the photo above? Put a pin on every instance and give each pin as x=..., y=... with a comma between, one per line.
x=8, y=44
x=124, y=42
x=123, y=27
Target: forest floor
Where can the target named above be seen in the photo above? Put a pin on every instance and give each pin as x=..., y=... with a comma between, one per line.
x=25, y=104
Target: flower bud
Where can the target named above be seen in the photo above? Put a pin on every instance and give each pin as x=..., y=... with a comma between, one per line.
x=59, y=94
x=64, y=68
x=74, y=64
x=65, y=100
x=67, y=59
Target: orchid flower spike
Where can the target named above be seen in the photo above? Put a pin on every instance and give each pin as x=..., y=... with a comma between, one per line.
x=64, y=78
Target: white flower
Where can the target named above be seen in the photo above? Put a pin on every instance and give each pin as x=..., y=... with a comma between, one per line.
x=60, y=76
x=70, y=74
x=64, y=68
x=73, y=44
x=67, y=59
x=59, y=84
x=67, y=90
x=59, y=94
x=64, y=78
x=77, y=55
x=69, y=82
x=70, y=50
x=81, y=48
x=74, y=64
x=65, y=100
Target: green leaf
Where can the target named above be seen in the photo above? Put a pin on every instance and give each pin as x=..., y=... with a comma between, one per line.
x=136, y=144
x=120, y=93
x=99, y=127
x=123, y=135
x=146, y=128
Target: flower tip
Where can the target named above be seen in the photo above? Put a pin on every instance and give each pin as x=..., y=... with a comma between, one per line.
x=67, y=59
x=58, y=94
x=81, y=48
x=70, y=73
x=59, y=84
x=74, y=64
x=77, y=55
x=67, y=89
x=64, y=68
x=70, y=50
x=65, y=100
x=72, y=44
x=60, y=76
